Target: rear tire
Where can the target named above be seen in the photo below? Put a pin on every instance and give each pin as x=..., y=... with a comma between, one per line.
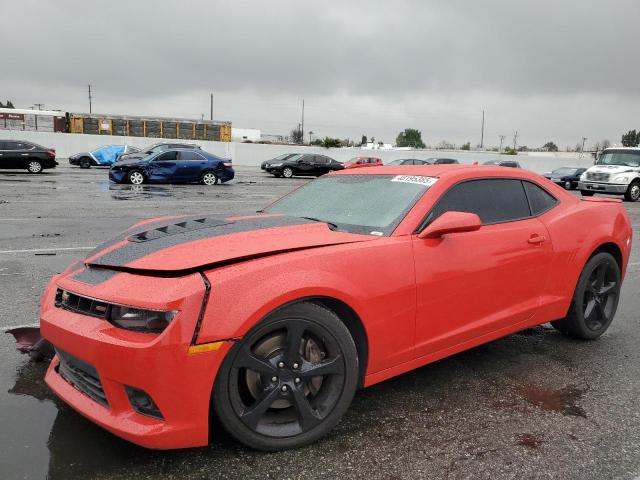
x=266, y=394
x=135, y=177
x=595, y=299
x=633, y=192
x=209, y=178
x=586, y=193
x=34, y=166
x=85, y=163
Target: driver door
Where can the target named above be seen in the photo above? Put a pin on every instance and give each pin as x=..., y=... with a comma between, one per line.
x=164, y=167
x=474, y=283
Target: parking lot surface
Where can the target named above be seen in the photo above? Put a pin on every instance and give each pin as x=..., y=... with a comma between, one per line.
x=531, y=405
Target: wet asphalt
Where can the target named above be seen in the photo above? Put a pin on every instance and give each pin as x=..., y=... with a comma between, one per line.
x=531, y=405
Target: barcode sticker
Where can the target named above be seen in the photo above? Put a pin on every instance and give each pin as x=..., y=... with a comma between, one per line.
x=417, y=179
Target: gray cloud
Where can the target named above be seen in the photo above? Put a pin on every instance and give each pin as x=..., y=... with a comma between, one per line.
x=364, y=67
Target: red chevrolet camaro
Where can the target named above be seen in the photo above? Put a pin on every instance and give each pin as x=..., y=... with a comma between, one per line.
x=273, y=321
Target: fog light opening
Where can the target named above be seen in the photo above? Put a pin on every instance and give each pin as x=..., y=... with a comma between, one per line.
x=142, y=402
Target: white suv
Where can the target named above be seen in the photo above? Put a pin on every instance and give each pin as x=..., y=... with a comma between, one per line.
x=616, y=172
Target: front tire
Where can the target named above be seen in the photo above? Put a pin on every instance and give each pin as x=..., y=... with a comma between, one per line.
x=135, y=177
x=567, y=185
x=34, y=166
x=85, y=163
x=595, y=299
x=289, y=380
x=633, y=192
x=287, y=172
x=586, y=193
x=209, y=178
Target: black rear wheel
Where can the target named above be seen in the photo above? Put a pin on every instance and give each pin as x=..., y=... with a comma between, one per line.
x=85, y=162
x=595, y=299
x=289, y=380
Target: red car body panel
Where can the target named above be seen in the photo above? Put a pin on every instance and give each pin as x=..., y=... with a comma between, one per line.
x=418, y=300
x=359, y=162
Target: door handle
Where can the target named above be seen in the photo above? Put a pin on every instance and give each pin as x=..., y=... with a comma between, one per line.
x=536, y=239
x=24, y=154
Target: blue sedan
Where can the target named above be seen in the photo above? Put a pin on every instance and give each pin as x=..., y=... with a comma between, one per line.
x=173, y=166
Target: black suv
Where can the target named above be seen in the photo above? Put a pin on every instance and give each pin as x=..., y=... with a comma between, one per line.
x=303, y=164
x=157, y=147
x=16, y=154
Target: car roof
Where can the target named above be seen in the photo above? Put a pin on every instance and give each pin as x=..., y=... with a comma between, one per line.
x=451, y=170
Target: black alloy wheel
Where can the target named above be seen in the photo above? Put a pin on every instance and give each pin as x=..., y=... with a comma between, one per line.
x=85, y=163
x=595, y=299
x=289, y=380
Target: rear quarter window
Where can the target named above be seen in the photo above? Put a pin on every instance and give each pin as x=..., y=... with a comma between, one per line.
x=539, y=199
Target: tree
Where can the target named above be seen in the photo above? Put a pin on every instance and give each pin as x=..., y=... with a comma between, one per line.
x=550, y=147
x=410, y=138
x=631, y=138
x=364, y=140
x=317, y=142
x=509, y=151
x=9, y=104
x=466, y=146
x=296, y=135
x=329, y=142
x=606, y=144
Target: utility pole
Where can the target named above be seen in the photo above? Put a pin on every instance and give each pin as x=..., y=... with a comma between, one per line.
x=310, y=133
x=515, y=139
x=482, y=134
x=584, y=139
x=302, y=127
x=211, y=106
x=39, y=106
x=89, y=98
x=502, y=137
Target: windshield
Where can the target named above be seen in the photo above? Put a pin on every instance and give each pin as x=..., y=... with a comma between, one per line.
x=156, y=147
x=565, y=171
x=295, y=157
x=365, y=204
x=628, y=159
x=396, y=162
x=283, y=156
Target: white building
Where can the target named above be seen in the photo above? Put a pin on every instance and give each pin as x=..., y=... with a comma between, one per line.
x=244, y=134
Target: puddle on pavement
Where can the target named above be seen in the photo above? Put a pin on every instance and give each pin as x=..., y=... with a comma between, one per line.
x=564, y=400
x=131, y=192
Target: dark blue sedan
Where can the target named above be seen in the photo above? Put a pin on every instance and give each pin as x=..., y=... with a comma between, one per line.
x=173, y=166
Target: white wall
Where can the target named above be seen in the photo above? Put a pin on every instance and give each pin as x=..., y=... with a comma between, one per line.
x=253, y=154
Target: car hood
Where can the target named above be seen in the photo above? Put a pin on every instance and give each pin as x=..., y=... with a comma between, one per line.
x=612, y=169
x=190, y=243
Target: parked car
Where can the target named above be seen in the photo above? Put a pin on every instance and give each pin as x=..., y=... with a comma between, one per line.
x=567, y=177
x=16, y=154
x=304, y=164
x=279, y=158
x=443, y=161
x=360, y=162
x=102, y=156
x=158, y=147
x=273, y=321
x=616, y=172
x=409, y=161
x=173, y=166
x=503, y=163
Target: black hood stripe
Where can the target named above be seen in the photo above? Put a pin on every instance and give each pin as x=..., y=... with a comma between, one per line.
x=94, y=276
x=135, y=249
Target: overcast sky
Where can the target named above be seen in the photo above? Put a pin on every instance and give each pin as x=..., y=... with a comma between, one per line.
x=552, y=69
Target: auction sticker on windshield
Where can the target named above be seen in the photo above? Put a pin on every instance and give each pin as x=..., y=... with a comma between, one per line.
x=417, y=179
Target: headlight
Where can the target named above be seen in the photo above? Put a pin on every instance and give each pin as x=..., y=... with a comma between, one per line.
x=130, y=318
x=621, y=179
x=583, y=176
x=274, y=164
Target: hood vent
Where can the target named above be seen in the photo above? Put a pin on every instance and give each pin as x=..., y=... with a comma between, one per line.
x=176, y=228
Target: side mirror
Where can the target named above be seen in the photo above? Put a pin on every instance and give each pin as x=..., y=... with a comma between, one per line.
x=451, y=222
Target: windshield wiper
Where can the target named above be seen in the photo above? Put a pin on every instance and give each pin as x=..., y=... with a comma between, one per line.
x=332, y=226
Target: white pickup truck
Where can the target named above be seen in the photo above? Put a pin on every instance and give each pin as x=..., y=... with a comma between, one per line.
x=616, y=172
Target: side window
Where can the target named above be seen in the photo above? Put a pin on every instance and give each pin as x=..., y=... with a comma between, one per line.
x=539, y=199
x=190, y=155
x=4, y=145
x=10, y=145
x=494, y=200
x=167, y=156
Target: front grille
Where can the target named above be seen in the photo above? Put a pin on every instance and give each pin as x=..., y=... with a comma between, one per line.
x=79, y=304
x=598, y=177
x=82, y=376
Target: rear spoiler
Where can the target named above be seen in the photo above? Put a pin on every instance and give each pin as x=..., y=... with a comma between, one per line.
x=601, y=199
